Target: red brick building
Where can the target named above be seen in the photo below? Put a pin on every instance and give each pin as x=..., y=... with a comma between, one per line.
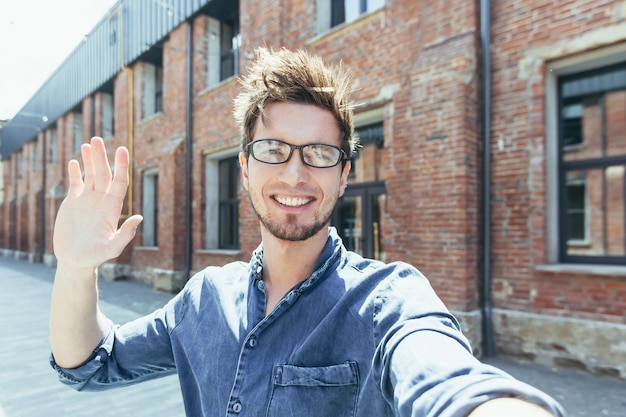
x=537, y=268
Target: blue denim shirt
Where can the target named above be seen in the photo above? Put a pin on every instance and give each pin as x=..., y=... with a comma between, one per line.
x=358, y=338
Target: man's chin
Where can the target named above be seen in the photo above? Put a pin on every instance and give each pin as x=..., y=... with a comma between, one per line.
x=293, y=232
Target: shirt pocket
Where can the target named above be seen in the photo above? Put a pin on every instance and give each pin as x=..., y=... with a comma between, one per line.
x=314, y=391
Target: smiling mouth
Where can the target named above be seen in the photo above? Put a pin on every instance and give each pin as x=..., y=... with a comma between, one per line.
x=293, y=201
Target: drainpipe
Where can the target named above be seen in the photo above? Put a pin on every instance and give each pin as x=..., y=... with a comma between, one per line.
x=486, y=302
x=44, y=187
x=130, y=115
x=131, y=139
x=189, y=155
x=16, y=193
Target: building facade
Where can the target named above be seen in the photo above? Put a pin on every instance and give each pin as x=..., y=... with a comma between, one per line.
x=493, y=158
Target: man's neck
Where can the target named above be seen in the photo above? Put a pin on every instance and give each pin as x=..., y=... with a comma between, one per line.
x=286, y=263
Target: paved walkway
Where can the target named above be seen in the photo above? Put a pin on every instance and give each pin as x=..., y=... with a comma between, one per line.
x=29, y=388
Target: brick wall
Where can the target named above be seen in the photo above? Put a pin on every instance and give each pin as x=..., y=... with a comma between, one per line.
x=522, y=33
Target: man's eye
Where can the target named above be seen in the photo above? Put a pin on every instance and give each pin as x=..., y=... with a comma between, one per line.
x=322, y=152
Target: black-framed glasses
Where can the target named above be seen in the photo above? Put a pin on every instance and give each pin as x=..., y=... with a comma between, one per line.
x=317, y=155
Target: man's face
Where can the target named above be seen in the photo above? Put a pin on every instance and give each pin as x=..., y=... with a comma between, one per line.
x=292, y=200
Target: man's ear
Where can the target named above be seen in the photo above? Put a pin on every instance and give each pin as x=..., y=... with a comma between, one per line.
x=343, y=183
x=243, y=164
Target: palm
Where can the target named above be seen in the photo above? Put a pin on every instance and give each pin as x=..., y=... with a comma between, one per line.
x=86, y=230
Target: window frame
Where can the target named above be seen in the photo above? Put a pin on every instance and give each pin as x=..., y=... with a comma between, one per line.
x=77, y=132
x=558, y=74
x=107, y=111
x=150, y=208
x=36, y=158
x=213, y=202
x=216, y=33
x=327, y=9
x=53, y=147
x=152, y=100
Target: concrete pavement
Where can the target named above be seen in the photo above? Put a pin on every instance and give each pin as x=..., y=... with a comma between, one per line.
x=29, y=387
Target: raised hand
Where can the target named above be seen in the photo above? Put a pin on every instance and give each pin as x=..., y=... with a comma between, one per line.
x=86, y=231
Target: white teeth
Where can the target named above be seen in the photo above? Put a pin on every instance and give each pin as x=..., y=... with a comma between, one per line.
x=292, y=201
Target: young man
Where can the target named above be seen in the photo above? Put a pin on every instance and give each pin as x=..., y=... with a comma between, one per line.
x=306, y=328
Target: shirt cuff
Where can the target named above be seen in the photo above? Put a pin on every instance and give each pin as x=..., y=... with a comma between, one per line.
x=78, y=377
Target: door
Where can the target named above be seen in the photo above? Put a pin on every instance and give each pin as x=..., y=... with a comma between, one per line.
x=358, y=218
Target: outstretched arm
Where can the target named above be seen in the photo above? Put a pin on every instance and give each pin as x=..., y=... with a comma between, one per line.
x=86, y=234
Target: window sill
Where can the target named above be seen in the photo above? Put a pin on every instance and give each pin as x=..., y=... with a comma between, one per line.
x=227, y=252
x=584, y=269
x=232, y=80
x=341, y=28
x=151, y=117
x=147, y=248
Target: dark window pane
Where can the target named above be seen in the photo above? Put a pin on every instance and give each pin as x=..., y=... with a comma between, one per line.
x=228, y=229
x=337, y=12
x=576, y=196
x=228, y=203
x=577, y=226
x=572, y=124
x=227, y=52
x=158, y=90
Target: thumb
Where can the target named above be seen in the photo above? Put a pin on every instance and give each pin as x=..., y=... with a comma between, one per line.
x=126, y=232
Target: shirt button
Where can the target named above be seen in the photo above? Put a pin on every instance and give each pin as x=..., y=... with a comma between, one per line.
x=260, y=285
x=237, y=407
x=252, y=342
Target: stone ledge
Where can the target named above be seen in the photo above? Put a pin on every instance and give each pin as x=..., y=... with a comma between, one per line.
x=592, y=346
x=114, y=272
x=471, y=325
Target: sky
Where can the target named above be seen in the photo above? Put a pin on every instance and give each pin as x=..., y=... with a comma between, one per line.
x=35, y=38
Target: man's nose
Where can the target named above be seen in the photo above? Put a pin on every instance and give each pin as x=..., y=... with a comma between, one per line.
x=294, y=170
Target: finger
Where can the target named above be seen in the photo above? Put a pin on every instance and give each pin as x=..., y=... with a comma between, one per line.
x=102, y=169
x=126, y=233
x=75, y=178
x=85, y=151
x=119, y=186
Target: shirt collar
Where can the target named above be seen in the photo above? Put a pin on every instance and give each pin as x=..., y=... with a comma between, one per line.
x=330, y=254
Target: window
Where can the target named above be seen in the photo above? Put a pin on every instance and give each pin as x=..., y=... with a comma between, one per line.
x=359, y=218
x=223, y=44
x=592, y=162
x=150, y=208
x=36, y=160
x=222, y=202
x=360, y=214
x=20, y=164
x=344, y=11
x=77, y=130
x=108, y=115
x=367, y=159
x=54, y=147
x=153, y=89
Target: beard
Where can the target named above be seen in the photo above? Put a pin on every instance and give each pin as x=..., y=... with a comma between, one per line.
x=290, y=229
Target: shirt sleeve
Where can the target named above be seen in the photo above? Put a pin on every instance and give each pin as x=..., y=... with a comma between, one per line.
x=137, y=351
x=424, y=364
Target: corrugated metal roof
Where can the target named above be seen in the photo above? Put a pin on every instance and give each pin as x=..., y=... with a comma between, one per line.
x=129, y=29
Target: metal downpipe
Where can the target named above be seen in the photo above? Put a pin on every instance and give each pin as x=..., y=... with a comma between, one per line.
x=486, y=301
x=189, y=155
